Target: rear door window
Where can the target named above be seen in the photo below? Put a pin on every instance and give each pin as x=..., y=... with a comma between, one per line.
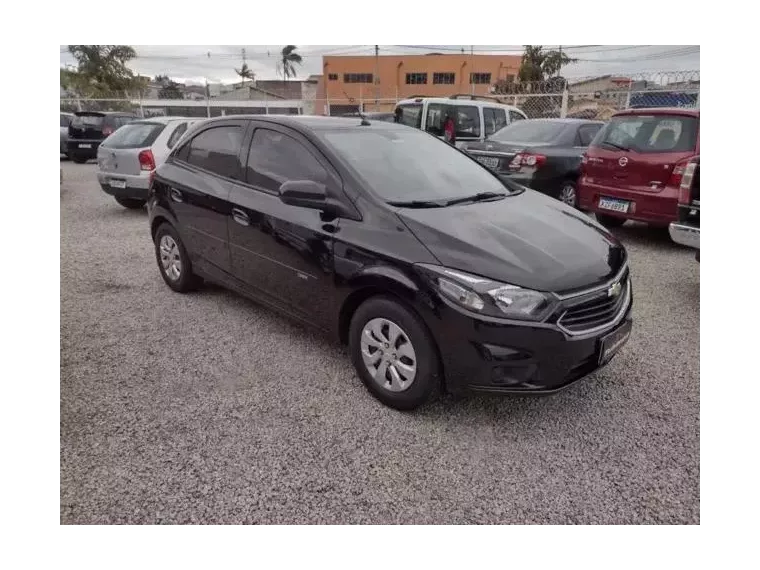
x=467, y=119
x=134, y=135
x=494, y=119
x=650, y=133
x=216, y=150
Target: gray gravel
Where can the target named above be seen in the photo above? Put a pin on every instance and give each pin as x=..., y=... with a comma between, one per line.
x=210, y=409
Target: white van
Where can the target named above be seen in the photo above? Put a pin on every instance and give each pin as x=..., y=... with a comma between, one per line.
x=477, y=116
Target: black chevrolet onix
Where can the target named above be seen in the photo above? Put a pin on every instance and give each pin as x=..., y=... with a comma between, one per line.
x=434, y=271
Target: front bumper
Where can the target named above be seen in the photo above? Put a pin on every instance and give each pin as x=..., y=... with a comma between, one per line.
x=685, y=234
x=504, y=357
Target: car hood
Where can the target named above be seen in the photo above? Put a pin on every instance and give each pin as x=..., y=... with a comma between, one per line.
x=528, y=239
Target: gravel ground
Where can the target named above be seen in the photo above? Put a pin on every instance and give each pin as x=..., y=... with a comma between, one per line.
x=207, y=408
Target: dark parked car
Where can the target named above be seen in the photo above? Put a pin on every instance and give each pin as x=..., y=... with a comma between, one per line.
x=432, y=269
x=65, y=122
x=542, y=154
x=89, y=128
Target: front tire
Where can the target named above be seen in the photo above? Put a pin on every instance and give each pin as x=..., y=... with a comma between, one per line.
x=130, y=203
x=610, y=221
x=173, y=260
x=393, y=353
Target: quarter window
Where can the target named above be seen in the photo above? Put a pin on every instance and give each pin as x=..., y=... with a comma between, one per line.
x=515, y=116
x=275, y=158
x=176, y=135
x=217, y=149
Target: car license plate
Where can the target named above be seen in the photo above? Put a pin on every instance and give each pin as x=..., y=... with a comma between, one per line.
x=118, y=183
x=613, y=342
x=489, y=161
x=614, y=205
x=85, y=146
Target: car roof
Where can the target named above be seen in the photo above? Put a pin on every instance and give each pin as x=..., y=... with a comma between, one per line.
x=566, y=121
x=167, y=120
x=104, y=113
x=310, y=122
x=659, y=111
x=450, y=101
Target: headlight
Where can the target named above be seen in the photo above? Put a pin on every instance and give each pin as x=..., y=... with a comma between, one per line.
x=489, y=297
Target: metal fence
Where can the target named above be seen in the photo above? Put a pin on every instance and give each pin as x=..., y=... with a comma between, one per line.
x=591, y=98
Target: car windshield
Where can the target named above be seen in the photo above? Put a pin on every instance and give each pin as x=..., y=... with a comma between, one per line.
x=409, y=165
x=88, y=120
x=529, y=131
x=134, y=135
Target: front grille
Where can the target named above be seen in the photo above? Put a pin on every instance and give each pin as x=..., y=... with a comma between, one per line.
x=598, y=311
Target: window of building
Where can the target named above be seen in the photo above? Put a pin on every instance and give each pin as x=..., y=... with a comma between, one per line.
x=510, y=78
x=443, y=78
x=332, y=76
x=357, y=78
x=416, y=78
x=480, y=78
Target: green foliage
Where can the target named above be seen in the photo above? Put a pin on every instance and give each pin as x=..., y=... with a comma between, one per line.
x=540, y=65
x=101, y=71
x=169, y=89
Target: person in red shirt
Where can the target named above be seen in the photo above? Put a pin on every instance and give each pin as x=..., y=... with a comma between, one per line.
x=449, y=129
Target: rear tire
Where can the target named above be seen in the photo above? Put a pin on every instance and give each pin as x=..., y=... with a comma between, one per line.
x=610, y=221
x=173, y=260
x=568, y=193
x=78, y=159
x=131, y=203
x=395, y=352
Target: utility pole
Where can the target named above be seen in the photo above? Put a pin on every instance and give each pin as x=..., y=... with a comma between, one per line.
x=472, y=74
x=377, y=76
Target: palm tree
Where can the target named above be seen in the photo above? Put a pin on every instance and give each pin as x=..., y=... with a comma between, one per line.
x=285, y=66
x=245, y=72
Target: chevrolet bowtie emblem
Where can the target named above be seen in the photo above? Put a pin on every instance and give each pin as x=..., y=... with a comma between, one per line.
x=614, y=291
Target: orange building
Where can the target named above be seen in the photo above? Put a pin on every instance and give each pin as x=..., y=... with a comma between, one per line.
x=379, y=82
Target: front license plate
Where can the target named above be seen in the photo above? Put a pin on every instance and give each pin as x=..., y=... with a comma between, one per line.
x=118, y=184
x=489, y=161
x=614, y=205
x=85, y=146
x=613, y=342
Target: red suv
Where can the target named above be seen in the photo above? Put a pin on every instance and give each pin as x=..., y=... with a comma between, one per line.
x=632, y=169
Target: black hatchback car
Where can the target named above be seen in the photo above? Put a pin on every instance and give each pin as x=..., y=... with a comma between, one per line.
x=432, y=270
x=90, y=128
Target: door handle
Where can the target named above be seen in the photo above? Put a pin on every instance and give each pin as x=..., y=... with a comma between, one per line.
x=176, y=195
x=241, y=217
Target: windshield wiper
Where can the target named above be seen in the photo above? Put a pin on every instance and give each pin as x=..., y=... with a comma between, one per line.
x=476, y=198
x=419, y=204
x=617, y=146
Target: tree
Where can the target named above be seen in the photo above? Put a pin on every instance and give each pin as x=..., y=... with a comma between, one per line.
x=540, y=65
x=288, y=58
x=102, y=70
x=169, y=89
x=245, y=72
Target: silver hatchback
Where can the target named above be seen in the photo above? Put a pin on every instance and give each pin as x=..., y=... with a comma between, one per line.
x=127, y=160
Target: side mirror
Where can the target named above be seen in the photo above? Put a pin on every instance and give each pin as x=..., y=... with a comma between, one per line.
x=304, y=193
x=310, y=194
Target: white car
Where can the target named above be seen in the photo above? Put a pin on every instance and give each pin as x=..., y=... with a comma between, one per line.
x=127, y=159
x=476, y=117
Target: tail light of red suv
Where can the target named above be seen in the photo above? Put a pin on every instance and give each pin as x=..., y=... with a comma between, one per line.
x=685, y=179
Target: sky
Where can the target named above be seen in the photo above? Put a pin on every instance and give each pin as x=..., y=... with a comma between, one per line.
x=197, y=63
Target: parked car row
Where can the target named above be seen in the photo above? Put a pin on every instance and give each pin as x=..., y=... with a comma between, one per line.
x=433, y=270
